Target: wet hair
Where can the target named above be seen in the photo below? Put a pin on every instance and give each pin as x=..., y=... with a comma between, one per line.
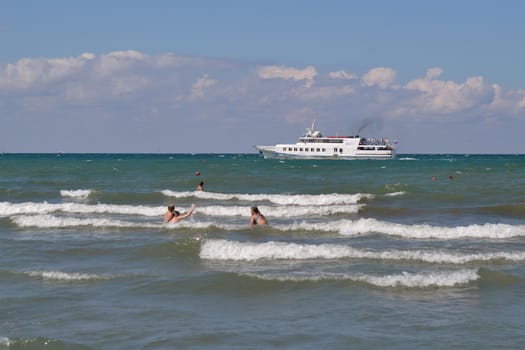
x=201, y=183
x=255, y=210
x=171, y=207
x=176, y=213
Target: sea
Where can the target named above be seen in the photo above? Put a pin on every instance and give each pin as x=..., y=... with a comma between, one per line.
x=416, y=252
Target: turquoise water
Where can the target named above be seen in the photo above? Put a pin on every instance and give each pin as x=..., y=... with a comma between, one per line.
x=422, y=251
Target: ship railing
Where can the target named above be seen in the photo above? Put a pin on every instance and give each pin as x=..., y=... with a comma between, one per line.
x=374, y=141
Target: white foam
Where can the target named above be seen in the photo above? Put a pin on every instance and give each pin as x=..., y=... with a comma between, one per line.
x=404, y=279
x=365, y=226
x=249, y=251
x=395, y=194
x=50, y=221
x=7, y=209
x=5, y=341
x=81, y=194
x=419, y=280
x=281, y=211
x=67, y=276
x=189, y=224
x=282, y=199
x=343, y=227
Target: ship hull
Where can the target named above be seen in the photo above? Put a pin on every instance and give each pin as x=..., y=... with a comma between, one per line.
x=272, y=152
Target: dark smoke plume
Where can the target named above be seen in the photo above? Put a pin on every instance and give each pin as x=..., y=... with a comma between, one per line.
x=376, y=122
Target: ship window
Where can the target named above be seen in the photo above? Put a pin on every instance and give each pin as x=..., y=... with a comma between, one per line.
x=300, y=149
x=318, y=150
x=284, y=149
x=324, y=149
x=335, y=149
x=295, y=148
x=340, y=150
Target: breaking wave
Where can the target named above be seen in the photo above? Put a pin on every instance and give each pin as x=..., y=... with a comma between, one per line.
x=282, y=212
x=67, y=276
x=5, y=341
x=248, y=251
x=404, y=279
x=366, y=226
x=281, y=199
x=344, y=227
x=7, y=209
x=80, y=194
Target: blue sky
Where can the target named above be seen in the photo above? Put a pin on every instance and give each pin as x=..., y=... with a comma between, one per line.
x=219, y=76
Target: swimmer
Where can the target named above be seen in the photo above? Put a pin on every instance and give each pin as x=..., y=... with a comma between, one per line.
x=178, y=216
x=170, y=213
x=257, y=217
x=201, y=186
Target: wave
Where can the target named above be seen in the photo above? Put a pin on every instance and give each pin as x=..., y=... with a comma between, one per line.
x=395, y=194
x=249, y=251
x=281, y=212
x=50, y=221
x=5, y=341
x=39, y=343
x=404, y=279
x=281, y=199
x=67, y=276
x=81, y=194
x=366, y=226
x=7, y=209
x=344, y=227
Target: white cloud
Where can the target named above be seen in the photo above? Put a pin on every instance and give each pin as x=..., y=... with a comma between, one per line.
x=170, y=60
x=341, y=74
x=287, y=73
x=433, y=73
x=521, y=102
x=118, y=61
x=27, y=72
x=124, y=83
x=325, y=92
x=446, y=97
x=127, y=85
x=197, y=89
x=381, y=76
x=507, y=102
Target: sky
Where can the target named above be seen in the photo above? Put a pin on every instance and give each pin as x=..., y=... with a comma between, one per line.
x=202, y=76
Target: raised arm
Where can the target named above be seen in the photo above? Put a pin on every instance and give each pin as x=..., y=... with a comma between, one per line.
x=185, y=215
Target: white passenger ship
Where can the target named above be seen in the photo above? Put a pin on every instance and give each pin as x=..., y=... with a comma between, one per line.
x=314, y=145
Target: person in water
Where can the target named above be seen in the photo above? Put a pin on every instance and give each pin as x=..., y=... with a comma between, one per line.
x=170, y=213
x=257, y=217
x=201, y=186
x=178, y=216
